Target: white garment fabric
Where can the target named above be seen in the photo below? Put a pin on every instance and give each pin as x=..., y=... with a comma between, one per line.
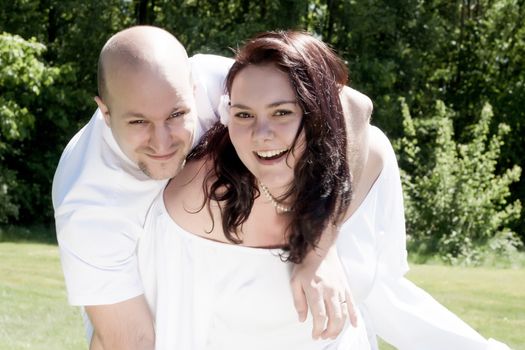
x=101, y=198
x=208, y=295
x=371, y=246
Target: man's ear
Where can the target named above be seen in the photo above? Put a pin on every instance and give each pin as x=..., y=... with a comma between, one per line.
x=103, y=108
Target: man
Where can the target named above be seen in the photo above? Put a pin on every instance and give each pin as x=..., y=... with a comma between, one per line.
x=153, y=106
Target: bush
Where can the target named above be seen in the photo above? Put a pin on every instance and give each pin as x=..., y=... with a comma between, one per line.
x=35, y=100
x=22, y=77
x=455, y=200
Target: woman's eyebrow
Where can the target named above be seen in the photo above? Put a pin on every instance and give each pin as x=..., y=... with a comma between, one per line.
x=278, y=103
x=240, y=106
x=271, y=105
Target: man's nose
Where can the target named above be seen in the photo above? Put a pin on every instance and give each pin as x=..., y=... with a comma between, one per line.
x=160, y=139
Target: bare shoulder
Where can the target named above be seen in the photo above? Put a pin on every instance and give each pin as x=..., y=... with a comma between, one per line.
x=359, y=108
x=187, y=203
x=186, y=188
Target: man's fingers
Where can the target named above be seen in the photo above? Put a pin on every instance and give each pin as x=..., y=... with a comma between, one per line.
x=351, y=309
x=299, y=300
x=336, y=316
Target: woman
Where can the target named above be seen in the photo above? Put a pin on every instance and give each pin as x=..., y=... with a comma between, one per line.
x=262, y=191
x=210, y=253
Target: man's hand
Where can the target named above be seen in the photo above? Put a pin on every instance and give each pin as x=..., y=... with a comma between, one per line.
x=126, y=325
x=320, y=282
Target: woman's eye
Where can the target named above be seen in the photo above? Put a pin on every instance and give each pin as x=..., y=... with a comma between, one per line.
x=137, y=122
x=242, y=115
x=282, y=112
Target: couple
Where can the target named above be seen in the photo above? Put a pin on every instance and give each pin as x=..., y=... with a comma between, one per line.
x=261, y=190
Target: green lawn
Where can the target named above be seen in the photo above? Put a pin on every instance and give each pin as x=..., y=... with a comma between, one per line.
x=34, y=313
x=492, y=301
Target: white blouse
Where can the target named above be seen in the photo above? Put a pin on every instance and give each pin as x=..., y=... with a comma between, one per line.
x=211, y=295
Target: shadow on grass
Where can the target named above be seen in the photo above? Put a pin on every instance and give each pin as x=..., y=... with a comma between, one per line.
x=40, y=233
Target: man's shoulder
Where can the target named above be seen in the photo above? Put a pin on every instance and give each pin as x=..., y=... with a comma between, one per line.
x=83, y=140
x=74, y=158
x=92, y=168
x=360, y=105
x=206, y=59
x=358, y=110
x=210, y=67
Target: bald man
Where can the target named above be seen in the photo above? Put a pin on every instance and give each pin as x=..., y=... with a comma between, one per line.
x=113, y=168
x=154, y=104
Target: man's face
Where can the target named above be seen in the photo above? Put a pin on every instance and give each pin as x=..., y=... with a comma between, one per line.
x=152, y=117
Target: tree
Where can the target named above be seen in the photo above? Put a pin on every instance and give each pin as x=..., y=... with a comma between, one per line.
x=23, y=76
x=460, y=52
x=456, y=203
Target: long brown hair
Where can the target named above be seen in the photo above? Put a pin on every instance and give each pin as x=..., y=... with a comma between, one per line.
x=321, y=188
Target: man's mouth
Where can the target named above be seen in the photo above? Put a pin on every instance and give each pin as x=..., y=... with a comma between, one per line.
x=162, y=156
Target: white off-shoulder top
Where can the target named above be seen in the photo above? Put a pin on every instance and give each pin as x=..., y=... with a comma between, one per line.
x=211, y=295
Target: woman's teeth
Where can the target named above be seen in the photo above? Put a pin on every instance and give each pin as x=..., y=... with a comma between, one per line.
x=271, y=154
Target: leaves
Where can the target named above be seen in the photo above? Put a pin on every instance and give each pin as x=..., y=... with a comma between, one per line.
x=404, y=54
x=456, y=202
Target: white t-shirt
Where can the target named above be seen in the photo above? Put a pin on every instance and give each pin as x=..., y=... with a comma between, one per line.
x=101, y=198
x=211, y=295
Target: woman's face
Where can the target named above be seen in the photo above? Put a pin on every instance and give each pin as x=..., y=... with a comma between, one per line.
x=264, y=118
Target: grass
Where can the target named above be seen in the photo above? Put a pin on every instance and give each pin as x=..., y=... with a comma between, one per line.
x=490, y=300
x=34, y=313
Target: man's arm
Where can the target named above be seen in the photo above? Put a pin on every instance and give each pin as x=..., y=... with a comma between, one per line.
x=127, y=325
x=357, y=109
x=319, y=282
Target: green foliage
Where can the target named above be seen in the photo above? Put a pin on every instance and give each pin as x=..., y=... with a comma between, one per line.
x=459, y=52
x=217, y=26
x=36, y=102
x=23, y=76
x=456, y=202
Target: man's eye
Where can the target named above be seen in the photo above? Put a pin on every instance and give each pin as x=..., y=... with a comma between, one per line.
x=282, y=112
x=242, y=115
x=177, y=114
x=137, y=122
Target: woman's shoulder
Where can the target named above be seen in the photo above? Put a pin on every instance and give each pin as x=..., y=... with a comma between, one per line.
x=186, y=186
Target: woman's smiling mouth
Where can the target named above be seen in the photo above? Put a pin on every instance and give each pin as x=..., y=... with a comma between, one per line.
x=270, y=155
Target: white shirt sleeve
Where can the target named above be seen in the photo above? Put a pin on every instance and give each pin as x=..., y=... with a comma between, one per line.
x=97, y=251
x=209, y=73
x=100, y=200
x=399, y=312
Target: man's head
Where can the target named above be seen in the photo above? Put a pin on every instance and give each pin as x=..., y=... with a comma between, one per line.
x=146, y=97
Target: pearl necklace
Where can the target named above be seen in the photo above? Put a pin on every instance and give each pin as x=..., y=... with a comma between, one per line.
x=278, y=207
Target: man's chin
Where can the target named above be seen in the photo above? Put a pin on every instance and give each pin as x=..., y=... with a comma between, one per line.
x=161, y=176
x=155, y=173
